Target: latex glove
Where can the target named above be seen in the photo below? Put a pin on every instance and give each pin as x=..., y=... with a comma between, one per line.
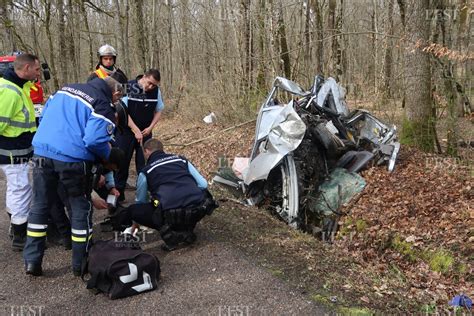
x=132, y=230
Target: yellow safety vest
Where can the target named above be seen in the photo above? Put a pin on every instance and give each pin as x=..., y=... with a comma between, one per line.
x=17, y=114
x=101, y=73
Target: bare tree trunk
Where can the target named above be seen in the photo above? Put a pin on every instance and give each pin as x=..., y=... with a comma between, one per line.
x=452, y=97
x=274, y=47
x=375, y=49
x=307, y=35
x=89, y=37
x=121, y=38
x=331, y=25
x=261, y=78
x=247, y=63
x=128, y=63
x=418, y=127
x=47, y=25
x=185, y=26
x=337, y=49
x=462, y=44
x=388, y=60
x=7, y=23
x=153, y=32
x=72, y=40
x=320, y=35
x=63, y=71
x=34, y=31
x=284, y=53
x=141, y=39
x=170, y=42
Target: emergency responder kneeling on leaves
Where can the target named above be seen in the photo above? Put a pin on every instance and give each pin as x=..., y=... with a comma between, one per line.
x=76, y=129
x=179, y=197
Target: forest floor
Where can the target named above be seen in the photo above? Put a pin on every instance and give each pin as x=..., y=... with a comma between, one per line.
x=405, y=246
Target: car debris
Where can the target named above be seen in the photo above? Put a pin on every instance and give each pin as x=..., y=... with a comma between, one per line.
x=304, y=145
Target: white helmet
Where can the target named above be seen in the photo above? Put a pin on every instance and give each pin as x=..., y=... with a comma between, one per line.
x=106, y=50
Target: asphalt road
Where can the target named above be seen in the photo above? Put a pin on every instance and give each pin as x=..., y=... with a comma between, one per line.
x=207, y=278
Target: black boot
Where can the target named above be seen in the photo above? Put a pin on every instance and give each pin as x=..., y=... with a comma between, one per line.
x=10, y=229
x=19, y=237
x=121, y=198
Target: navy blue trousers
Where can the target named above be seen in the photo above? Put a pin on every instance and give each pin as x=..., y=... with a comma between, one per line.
x=129, y=144
x=75, y=178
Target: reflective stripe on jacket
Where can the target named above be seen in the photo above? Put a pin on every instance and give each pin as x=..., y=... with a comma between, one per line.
x=101, y=73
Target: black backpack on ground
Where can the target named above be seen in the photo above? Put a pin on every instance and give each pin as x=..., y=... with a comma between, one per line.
x=121, y=268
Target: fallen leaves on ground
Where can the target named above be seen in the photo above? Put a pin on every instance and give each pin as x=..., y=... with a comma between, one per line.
x=425, y=207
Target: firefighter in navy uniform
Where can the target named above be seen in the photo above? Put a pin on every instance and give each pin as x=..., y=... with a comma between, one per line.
x=107, y=58
x=179, y=197
x=75, y=132
x=144, y=104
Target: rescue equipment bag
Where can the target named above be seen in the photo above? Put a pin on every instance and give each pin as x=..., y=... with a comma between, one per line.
x=120, y=268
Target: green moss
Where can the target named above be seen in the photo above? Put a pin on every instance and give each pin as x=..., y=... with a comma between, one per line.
x=277, y=272
x=428, y=309
x=404, y=248
x=318, y=298
x=419, y=134
x=440, y=261
x=345, y=227
x=461, y=268
x=355, y=311
x=406, y=136
x=361, y=225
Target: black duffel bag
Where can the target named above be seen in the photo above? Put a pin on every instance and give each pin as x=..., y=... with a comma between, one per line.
x=121, y=268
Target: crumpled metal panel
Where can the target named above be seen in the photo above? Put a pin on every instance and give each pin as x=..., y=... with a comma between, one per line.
x=289, y=86
x=285, y=135
x=330, y=85
x=268, y=116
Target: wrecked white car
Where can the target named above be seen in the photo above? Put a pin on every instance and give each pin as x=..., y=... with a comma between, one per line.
x=307, y=153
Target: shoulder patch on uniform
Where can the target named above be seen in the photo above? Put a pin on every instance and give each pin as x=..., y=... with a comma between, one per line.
x=110, y=129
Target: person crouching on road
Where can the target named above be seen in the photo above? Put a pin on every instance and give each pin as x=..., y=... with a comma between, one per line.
x=75, y=131
x=179, y=197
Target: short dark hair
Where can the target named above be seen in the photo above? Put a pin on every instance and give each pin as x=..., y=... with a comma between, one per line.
x=155, y=73
x=153, y=145
x=113, y=84
x=24, y=59
x=120, y=77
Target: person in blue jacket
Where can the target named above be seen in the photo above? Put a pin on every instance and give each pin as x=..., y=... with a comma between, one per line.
x=76, y=128
x=178, y=197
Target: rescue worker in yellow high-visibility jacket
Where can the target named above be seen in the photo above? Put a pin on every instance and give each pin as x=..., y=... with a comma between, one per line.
x=17, y=128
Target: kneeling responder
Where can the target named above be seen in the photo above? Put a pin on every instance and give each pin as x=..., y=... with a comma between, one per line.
x=75, y=131
x=179, y=197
